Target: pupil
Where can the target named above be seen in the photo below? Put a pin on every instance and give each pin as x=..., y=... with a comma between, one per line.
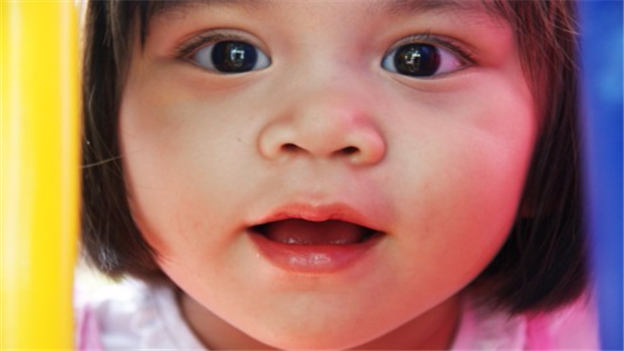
x=417, y=60
x=234, y=56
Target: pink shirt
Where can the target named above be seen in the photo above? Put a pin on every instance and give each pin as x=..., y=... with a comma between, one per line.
x=134, y=316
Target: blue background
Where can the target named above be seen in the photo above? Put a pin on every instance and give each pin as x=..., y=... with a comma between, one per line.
x=601, y=57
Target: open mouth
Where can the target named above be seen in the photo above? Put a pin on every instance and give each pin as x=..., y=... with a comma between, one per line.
x=296, y=231
x=316, y=242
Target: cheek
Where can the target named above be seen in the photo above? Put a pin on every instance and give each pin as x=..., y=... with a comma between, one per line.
x=463, y=168
x=165, y=147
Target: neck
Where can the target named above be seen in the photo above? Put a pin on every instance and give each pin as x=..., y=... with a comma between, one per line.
x=433, y=330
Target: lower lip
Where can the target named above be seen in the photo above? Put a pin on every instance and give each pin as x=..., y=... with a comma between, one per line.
x=313, y=259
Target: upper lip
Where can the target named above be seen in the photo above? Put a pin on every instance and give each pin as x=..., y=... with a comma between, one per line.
x=338, y=211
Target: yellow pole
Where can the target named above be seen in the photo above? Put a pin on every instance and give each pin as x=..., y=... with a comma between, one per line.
x=39, y=172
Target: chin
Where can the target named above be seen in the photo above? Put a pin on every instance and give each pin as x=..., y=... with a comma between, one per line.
x=327, y=337
x=343, y=343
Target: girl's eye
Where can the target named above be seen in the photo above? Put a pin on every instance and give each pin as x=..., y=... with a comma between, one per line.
x=421, y=60
x=231, y=57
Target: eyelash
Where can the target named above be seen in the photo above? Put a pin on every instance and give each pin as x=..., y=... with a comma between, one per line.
x=447, y=43
x=188, y=48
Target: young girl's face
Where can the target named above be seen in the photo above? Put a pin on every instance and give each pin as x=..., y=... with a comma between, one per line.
x=319, y=174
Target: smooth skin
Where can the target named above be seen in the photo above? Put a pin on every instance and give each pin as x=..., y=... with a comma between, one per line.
x=437, y=163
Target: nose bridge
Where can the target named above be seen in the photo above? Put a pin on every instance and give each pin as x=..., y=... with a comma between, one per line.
x=324, y=115
x=327, y=105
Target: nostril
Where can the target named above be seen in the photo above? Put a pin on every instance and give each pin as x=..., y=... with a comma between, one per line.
x=351, y=150
x=290, y=147
x=347, y=151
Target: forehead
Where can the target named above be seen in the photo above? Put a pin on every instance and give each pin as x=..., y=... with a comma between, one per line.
x=393, y=7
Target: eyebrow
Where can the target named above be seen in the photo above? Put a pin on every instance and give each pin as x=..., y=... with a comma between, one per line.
x=413, y=7
x=395, y=7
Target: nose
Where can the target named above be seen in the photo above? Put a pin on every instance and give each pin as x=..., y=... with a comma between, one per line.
x=324, y=126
